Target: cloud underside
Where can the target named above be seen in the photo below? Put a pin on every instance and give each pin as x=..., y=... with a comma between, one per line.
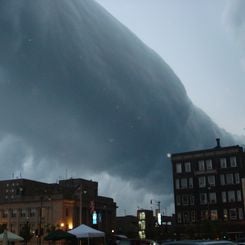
x=81, y=95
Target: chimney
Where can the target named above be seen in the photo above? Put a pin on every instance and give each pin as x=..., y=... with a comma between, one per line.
x=218, y=142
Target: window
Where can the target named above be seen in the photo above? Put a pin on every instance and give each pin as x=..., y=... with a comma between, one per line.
x=185, y=200
x=229, y=179
x=233, y=161
x=209, y=164
x=184, y=183
x=178, y=168
x=214, y=214
x=223, y=163
x=178, y=200
x=223, y=194
x=225, y=214
x=179, y=218
x=202, y=181
x=187, y=167
x=192, y=199
x=32, y=212
x=190, y=183
x=193, y=216
x=212, y=197
x=239, y=195
x=201, y=166
x=204, y=214
x=237, y=178
x=240, y=213
x=222, y=179
x=177, y=184
x=142, y=216
x=5, y=213
x=233, y=214
x=203, y=198
x=231, y=196
x=211, y=180
x=186, y=218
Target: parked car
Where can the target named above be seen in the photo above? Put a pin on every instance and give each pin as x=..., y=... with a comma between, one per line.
x=200, y=242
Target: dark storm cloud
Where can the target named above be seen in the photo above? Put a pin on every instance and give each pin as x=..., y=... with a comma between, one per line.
x=83, y=92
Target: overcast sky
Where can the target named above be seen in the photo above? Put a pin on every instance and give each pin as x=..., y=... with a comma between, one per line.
x=203, y=42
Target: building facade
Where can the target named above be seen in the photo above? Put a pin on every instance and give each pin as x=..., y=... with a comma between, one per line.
x=209, y=186
x=63, y=205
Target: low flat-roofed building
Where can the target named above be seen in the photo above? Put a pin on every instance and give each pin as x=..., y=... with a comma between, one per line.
x=45, y=206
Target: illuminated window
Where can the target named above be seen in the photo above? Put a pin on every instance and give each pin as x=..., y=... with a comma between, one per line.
x=201, y=166
x=225, y=213
x=233, y=161
x=209, y=164
x=178, y=168
x=142, y=215
x=214, y=214
x=223, y=163
x=187, y=167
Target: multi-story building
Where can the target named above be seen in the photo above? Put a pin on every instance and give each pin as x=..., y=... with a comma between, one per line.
x=44, y=206
x=209, y=185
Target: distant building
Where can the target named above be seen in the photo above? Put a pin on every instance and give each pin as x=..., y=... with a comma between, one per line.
x=62, y=205
x=127, y=225
x=209, y=188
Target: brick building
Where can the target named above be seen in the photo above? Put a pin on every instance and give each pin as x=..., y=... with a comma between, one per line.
x=209, y=188
x=47, y=206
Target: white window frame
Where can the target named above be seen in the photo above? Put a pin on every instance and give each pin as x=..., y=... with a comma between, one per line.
x=229, y=179
x=231, y=196
x=212, y=197
x=224, y=197
x=211, y=180
x=187, y=167
x=209, y=164
x=201, y=181
x=233, y=161
x=178, y=168
x=237, y=178
x=222, y=179
x=184, y=184
x=223, y=163
x=201, y=165
x=238, y=195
